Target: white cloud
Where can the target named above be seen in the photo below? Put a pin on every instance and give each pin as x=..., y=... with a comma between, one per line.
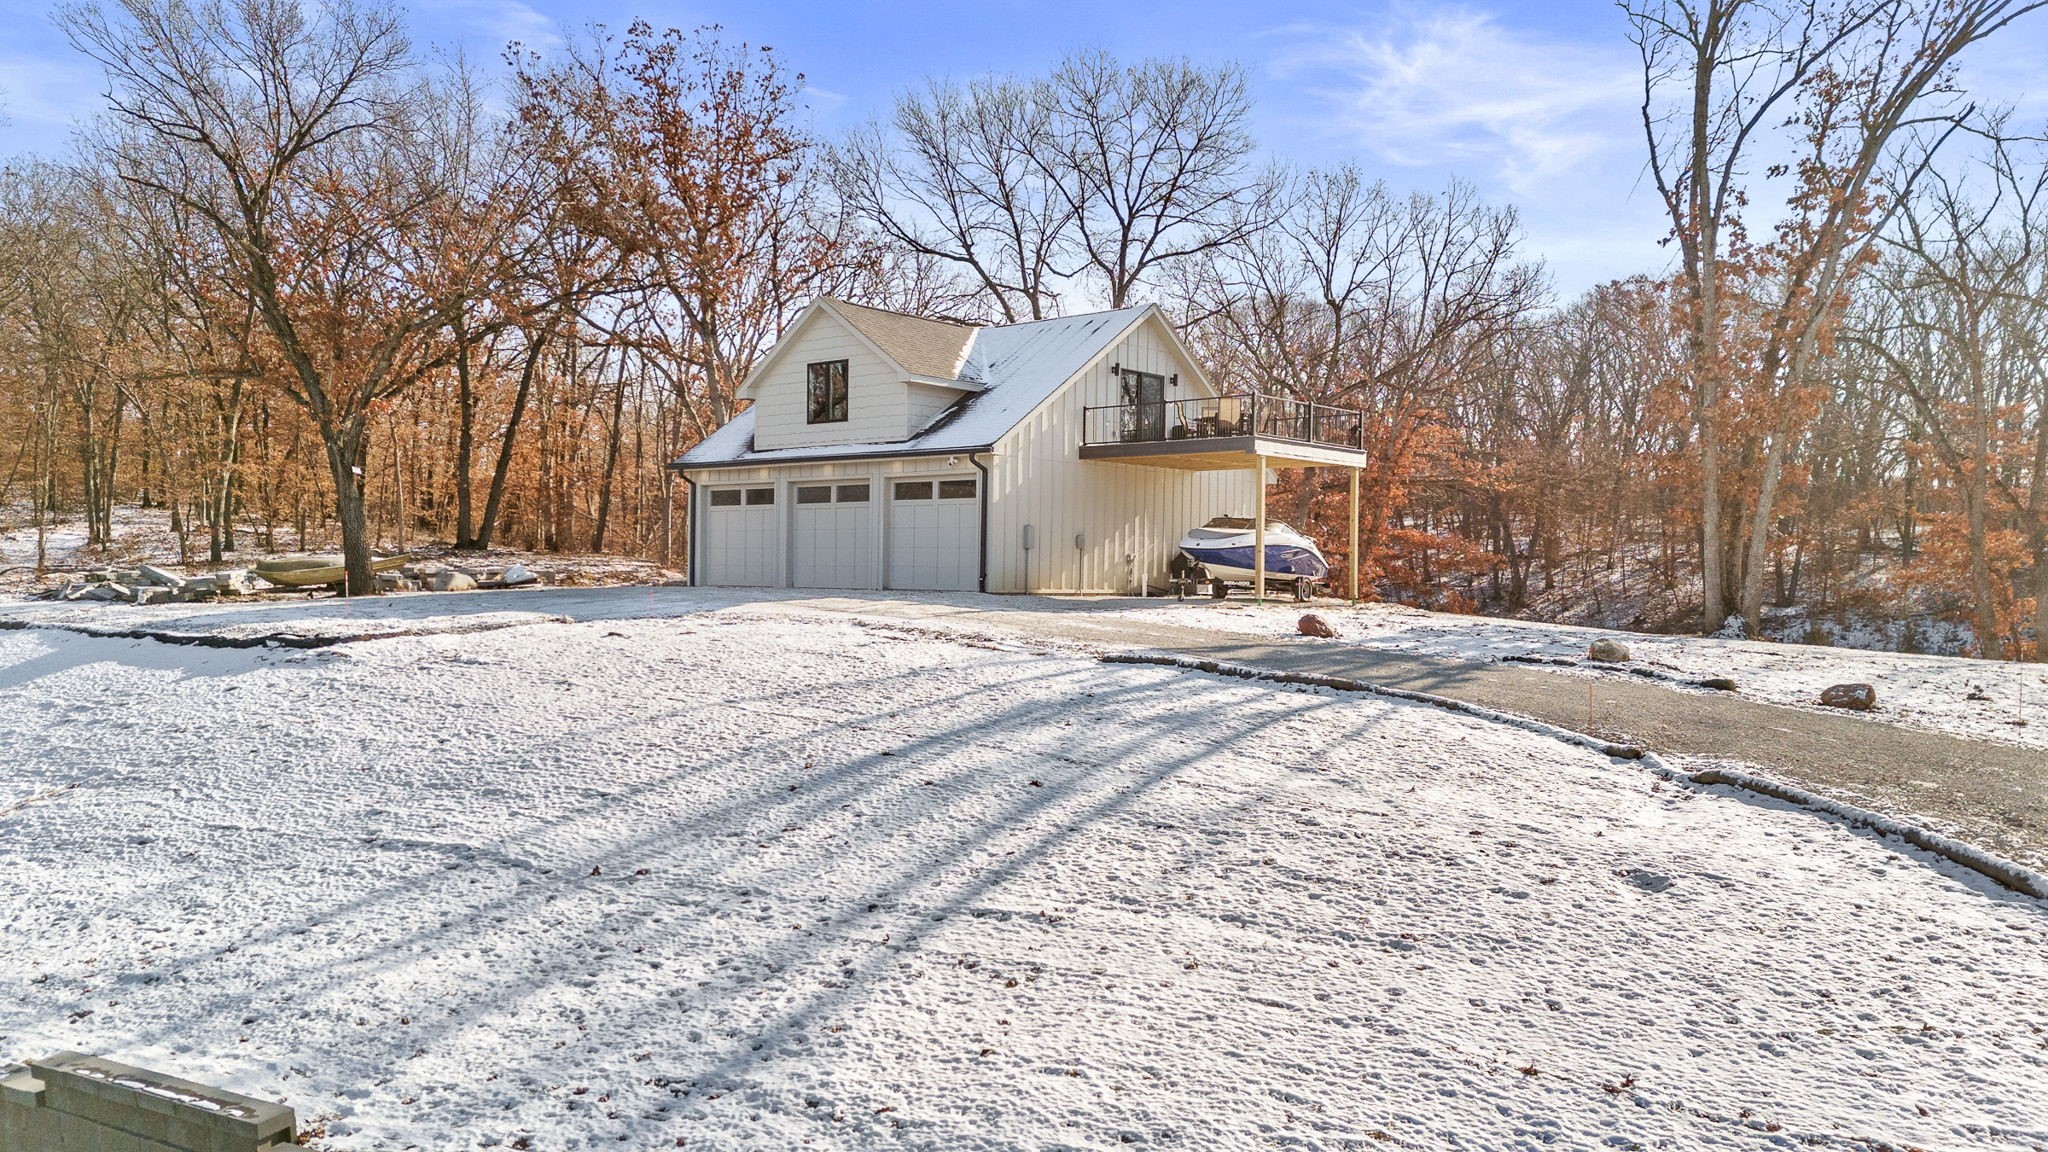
x=1454, y=88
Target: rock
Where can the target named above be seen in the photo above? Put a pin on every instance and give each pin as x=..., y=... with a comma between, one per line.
x=517, y=574
x=1855, y=697
x=1311, y=624
x=448, y=580
x=106, y=590
x=152, y=594
x=1608, y=652
x=1718, y=683
x=160, y=577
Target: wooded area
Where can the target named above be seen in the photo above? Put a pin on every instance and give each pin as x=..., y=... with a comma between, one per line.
x=299, y=281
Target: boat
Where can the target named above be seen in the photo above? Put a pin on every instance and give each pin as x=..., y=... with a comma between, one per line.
x=314, y=571
x=1223, y=550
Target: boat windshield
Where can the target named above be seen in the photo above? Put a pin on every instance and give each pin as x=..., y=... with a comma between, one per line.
x=1245, y=523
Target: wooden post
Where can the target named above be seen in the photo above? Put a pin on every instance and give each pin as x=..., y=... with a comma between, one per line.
x=1354, y=535
x=1259, y=538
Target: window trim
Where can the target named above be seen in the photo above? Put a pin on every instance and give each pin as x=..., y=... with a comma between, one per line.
x=973, y=488
x=897, y=487
x=836, y=399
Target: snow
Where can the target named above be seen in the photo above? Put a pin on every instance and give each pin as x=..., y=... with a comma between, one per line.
x=684, y=868
x=1928, y=692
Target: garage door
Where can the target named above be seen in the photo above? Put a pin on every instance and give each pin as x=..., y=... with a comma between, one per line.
x=739, y=538
x=832, y=541
x=935, y=534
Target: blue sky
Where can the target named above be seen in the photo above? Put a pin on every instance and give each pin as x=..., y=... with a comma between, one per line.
x=1534, y=103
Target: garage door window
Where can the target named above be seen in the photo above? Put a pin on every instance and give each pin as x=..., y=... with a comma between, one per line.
x=956, y=489
x=725, y=497
x=853, y=493
x=758, y=496
x=814, y=494
x=913, y=489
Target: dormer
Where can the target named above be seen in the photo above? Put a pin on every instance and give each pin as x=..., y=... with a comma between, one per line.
x=847, y=374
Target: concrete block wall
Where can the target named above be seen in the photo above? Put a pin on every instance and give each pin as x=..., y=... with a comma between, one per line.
x=77, y=1103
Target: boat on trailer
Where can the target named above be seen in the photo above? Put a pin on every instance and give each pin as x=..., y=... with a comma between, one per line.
x=1224, y=552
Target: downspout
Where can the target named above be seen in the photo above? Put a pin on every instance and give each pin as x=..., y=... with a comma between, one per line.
x=689, y=528
x=981, y=580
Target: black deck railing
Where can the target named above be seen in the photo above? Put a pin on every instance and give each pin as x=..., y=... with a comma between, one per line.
x=1241, y=414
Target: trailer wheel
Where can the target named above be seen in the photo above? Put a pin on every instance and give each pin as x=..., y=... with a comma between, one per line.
x=1304, y=590
x=1218, y=589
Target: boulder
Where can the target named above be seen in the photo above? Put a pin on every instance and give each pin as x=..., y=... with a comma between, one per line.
x=517, y=574
x=1855, y=697
x=1718, y=683
x=448, y=580
x=1311, y=624
x=1607, y=652
x=153, y=593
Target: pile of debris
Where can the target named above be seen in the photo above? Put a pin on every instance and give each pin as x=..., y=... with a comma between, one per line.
x=429, y=576
x=148, y=584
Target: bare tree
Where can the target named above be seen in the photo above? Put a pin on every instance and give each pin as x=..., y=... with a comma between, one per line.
x=304, y=139
x=1154, y=160
x=957, y=178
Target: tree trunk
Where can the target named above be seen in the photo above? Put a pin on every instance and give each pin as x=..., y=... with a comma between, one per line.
x=495, y=501
x=345, y=451
x=465, y=446
x=611, y=460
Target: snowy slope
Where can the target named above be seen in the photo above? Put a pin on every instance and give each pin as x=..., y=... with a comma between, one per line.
x=1932, y=692
x=735, y=880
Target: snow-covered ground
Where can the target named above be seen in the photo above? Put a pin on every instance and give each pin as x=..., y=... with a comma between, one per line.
x=713, y=875
x=1980, y=699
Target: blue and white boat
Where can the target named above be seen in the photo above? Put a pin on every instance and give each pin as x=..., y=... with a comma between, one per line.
x=1225, y=548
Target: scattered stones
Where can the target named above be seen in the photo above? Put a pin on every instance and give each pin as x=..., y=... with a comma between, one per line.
x=1855, y=697
x=1608, y=652
x=450, y=580
x=1311, y=624
x=516, y=575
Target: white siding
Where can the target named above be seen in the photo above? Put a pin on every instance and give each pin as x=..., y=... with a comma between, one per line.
x=1128, y=517
x=925, y=402
x=877, y=401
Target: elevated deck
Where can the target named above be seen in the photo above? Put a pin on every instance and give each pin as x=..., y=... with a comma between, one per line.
x=1247, y=430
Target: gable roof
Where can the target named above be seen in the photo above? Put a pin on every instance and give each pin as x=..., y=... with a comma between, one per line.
x=919, y=346
x=916, y=347
x=1017, y=367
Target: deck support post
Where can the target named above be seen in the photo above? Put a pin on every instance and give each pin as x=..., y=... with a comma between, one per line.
x=1259, y=538
x=1354, y=536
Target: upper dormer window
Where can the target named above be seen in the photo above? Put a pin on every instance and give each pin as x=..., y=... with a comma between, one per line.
x=827, y=401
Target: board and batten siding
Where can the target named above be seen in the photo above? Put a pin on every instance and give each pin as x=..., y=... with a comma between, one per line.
x=877, y=400
x=1128, y=517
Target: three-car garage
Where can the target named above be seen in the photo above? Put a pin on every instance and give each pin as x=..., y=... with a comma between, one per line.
x=913, y=532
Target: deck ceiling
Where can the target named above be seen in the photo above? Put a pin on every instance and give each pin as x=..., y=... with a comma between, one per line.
x=1224, y=454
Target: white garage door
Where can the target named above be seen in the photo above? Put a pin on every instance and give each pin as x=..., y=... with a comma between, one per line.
x=738, y=537
x=832, y=531
x=935, y=534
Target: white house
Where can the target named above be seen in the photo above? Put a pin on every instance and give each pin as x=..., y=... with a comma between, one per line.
x=882, y=450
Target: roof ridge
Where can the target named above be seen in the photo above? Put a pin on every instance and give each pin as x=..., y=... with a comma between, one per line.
x=842, y=302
